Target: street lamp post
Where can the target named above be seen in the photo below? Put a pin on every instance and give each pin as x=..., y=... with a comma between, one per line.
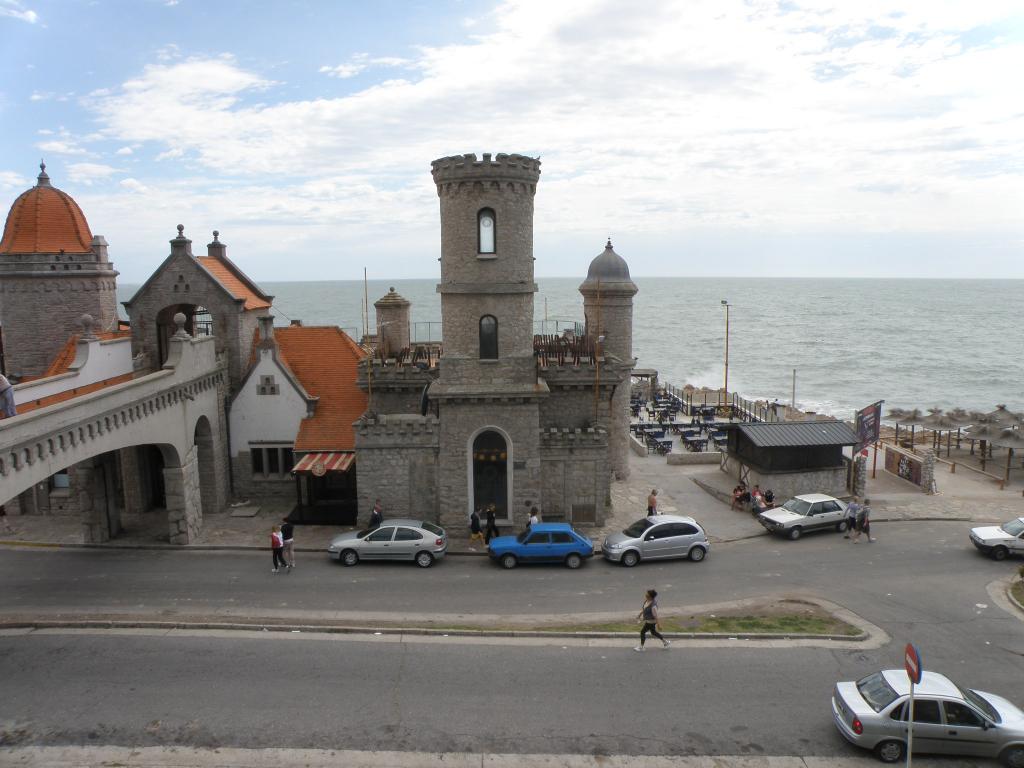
x=726, y=388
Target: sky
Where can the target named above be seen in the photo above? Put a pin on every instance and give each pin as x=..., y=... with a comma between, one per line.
x=876, y=138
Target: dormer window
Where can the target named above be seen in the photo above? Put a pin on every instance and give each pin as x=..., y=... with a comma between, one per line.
x=485, y=230
x=488, y=337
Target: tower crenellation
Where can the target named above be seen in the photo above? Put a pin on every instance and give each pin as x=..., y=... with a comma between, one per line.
x=500, y=168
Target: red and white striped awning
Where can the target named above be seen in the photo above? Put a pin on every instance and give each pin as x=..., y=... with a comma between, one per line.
x=319, y=464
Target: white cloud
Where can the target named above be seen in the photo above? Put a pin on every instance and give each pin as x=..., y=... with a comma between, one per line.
x=16, y=10
x=124, y=151
x=696, y=114
x=10, y=180
x=89, y=173
x=60, y=147
x=37, y=96
x=133, y=185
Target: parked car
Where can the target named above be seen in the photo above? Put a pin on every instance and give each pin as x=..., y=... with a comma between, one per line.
x=998, y=542
x=657, y=537
x=542, y=543
x=948, y=719
x=812, y=512
x=398, y=539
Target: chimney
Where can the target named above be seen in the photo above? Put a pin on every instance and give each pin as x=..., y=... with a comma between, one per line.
x=216, y=249
x=297, y=322
x=99, y=248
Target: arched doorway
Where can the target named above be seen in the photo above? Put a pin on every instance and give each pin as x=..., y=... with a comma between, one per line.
x=490, y=472
x=204, y=459
x=198, y=322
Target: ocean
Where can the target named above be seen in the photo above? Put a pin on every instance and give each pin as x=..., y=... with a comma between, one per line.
x=912, y=343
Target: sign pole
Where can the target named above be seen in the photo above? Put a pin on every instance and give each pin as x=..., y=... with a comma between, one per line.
x=910, y=726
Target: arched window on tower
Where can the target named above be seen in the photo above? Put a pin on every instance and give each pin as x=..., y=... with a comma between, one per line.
x=485, y=230
x=488, y=337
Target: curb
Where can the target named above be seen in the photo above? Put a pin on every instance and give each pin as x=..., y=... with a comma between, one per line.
x=187, y=547
x=420, y=631
x=1012, y=599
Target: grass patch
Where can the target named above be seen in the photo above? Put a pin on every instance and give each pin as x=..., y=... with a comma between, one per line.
x=1017, y=590
x=782, y=624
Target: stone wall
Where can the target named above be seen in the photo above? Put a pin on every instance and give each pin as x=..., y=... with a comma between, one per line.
x=575, y=475
x=396, y=461
x=39, y=313
x=687, y=458
x=831, y=481
x=460, y=423
x=255, y=487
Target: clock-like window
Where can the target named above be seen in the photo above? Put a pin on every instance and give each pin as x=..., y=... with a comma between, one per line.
x=485, y=230
x=488, y=337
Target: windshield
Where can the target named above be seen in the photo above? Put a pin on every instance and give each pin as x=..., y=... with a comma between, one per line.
x=1014, y=527
x=986, y=709
x=434, y=529
x=797, y=506
x=636, y=530
x=876, y=692
x=521, y=538
x=365, y=532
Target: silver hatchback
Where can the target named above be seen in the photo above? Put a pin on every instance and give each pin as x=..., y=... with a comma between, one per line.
x=398, y=539
x=657, y=537
x=948, y=719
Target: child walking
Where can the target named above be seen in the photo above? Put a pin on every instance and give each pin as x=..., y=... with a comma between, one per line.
x=648, y=616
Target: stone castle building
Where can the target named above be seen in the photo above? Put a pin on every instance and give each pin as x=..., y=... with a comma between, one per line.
x=504, y=417
x=493, y=413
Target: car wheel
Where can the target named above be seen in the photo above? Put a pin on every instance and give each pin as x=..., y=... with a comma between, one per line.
x=697, y=554
x=424, y=559
x=349, y=557
x=795, y=533
x=890, y=751
x=1013, y=757
x=572, y=560
x=631, y=558
x=999, y=553
x=508, y=561
x=841, y=526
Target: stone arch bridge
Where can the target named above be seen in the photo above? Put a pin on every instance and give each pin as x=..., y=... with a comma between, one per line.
x=178, y=409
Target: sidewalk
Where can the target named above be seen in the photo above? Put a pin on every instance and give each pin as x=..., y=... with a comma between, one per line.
x=233, y=757
x=700, y=491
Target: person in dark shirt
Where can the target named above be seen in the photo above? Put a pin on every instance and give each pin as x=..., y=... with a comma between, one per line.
x=287, y=530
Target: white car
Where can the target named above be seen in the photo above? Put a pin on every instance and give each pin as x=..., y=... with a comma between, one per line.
x=811, y=512
x=999, y=542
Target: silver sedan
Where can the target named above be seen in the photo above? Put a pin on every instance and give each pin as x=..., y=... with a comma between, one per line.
x=657, y=537
x=948, y=719
x=399, y=539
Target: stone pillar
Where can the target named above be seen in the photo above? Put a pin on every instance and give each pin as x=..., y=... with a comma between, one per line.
x=860, y=475
x=928, y=484
x=131, y=481
x=100, y=520
x=184, y=503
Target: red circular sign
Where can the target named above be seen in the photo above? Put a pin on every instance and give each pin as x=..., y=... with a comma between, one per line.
x=912, y=663
x=319, y=469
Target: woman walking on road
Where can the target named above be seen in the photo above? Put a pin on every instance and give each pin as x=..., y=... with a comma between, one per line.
x=648, y=616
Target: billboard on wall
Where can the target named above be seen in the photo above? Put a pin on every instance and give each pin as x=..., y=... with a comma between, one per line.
x=868, y=425
x=903, y=465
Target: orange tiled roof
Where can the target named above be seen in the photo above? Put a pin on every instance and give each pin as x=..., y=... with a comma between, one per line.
x=62, y=362
x=325, y=361
x=70, y=394
x=233, y=283
x=46, y=220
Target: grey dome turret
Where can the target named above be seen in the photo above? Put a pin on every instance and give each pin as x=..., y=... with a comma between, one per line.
x=610, y=271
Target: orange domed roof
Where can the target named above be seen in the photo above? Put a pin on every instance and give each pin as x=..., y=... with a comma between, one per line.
x=45, y=220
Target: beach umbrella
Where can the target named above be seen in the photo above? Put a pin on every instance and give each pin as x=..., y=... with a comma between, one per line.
x=913, y=417
x=1005, y=417
x=984, y=430
x=1010, y=439
x=962, y=419
x=939, y=422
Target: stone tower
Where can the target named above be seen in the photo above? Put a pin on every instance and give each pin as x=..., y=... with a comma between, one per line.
x=52, y=271
x=487, y=390
x=608, y=308
x=392, y=322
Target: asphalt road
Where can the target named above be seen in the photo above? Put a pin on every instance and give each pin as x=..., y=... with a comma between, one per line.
x=919, y=582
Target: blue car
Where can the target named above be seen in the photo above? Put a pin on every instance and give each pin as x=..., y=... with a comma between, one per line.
x=542, y=543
